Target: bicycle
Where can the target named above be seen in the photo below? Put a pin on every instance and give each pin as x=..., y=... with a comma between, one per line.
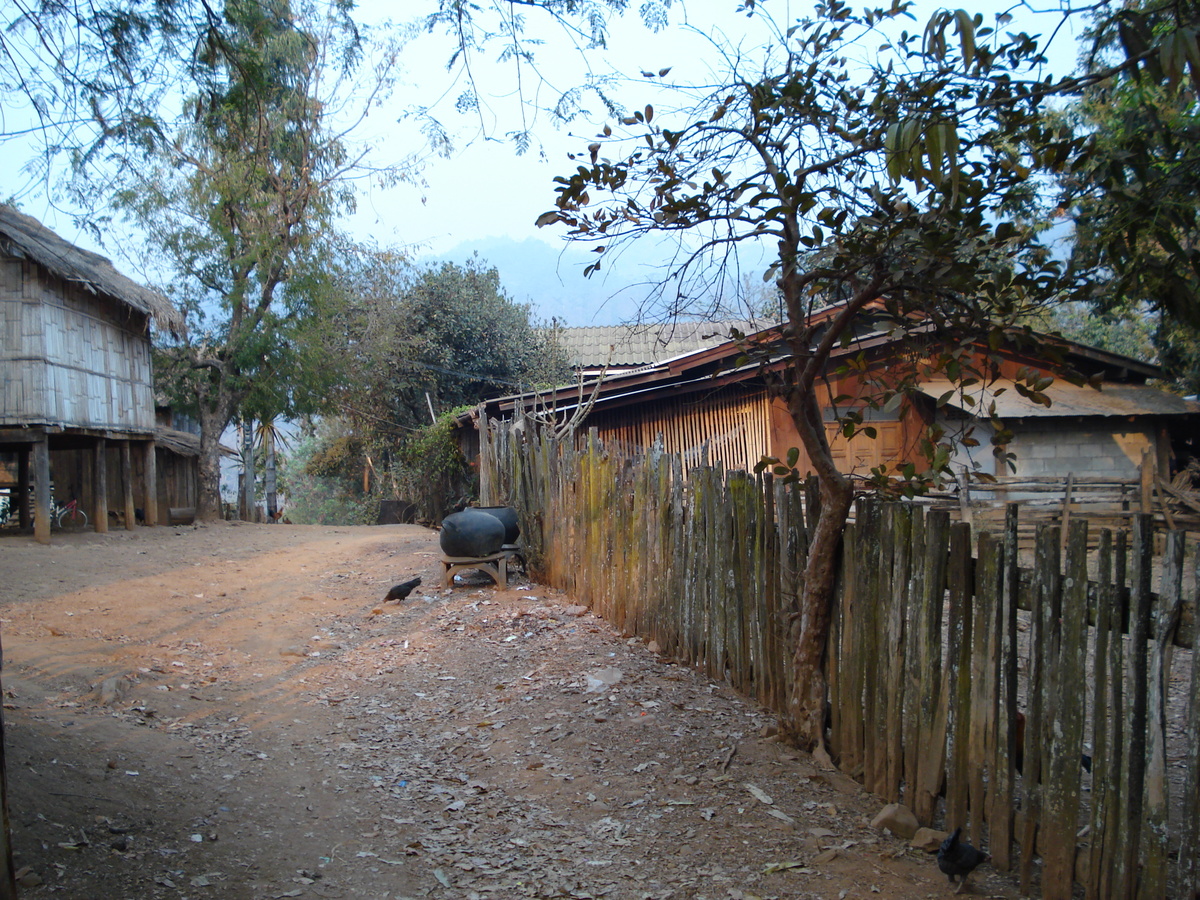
x=69, y=514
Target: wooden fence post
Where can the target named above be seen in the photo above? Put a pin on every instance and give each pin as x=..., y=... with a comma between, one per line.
x=957, y=689
x=931, y=764
x=1000, y=814
x=1134, y=772
x=1154, y=872
x=1042, y=649
x=1062, y=783
x=1189, y=839
x=1097, y=884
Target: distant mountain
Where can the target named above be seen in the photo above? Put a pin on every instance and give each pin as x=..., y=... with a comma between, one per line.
x=551, y=279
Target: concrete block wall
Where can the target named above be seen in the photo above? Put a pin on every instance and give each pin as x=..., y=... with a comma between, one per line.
x=1059, y=448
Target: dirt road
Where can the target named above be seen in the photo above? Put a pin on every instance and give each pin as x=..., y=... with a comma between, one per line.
x=231, y=712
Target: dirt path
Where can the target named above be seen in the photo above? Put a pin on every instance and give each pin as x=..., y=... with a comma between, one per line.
x=231, y=712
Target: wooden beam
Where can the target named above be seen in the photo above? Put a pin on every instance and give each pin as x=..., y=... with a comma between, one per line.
x=100, y=504
x=23, y=511
x=8, y=884
x=21, y=435
x=127, y=485
x=150, y=489
x=41, y=491
x=1146, y=472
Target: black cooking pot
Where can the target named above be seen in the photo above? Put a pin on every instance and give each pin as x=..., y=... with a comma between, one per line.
x=471, y=533
x=508, y=517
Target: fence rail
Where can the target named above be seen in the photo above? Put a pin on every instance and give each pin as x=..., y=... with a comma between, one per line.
x=960, y=683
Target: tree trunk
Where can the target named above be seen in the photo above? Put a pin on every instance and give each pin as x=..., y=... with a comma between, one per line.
x=269, y=487
x=248, y=499
x=208, y=503
x=212, y=424
x=810, y=623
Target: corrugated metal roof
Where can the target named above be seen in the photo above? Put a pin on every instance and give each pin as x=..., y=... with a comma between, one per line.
x=96, y=273
x=594, y=346
x=1065, y=400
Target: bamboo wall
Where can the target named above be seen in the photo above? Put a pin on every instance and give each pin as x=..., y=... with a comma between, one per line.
x=68, y=357
x=937, y=645
x=727, y=427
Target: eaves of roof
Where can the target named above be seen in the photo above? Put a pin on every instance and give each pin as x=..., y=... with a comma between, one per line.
x=28, y=237
x=1066, y=400
x=692, y=371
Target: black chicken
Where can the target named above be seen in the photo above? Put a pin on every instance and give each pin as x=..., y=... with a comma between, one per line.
x=400, y=591
x=956, y=857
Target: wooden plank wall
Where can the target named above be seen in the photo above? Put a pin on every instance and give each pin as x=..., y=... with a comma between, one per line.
x=984, y=712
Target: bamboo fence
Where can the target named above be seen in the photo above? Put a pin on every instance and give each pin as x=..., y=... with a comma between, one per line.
x=943, y=651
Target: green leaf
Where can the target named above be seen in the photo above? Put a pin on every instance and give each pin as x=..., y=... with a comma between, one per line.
x=966, y=35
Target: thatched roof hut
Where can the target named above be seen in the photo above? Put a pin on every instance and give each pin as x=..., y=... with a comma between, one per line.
x=26, y=236
x=75, y=372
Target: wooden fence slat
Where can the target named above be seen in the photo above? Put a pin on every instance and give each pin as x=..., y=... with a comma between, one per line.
x=934, y=703
x=771, y=648
x=1134, y=772
x=1000, y=814
x=1041, y=641
x=910, y=675
x=1062, y=782
x=866, y=642
x=1189, y=838
x=1118, y=779
x=983, y=695
x=875, y=612
x=850, y=748
x=958, y=674
x=1097, y=882
x=899, y=529
x=1157, y=839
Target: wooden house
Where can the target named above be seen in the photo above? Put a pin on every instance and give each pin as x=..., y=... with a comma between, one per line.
x=710, y=404
x=77, y=411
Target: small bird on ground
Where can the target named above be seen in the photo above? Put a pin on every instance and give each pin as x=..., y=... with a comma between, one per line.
x=956, y=857
x=400, y=591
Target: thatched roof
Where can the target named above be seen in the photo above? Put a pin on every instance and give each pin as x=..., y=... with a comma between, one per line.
x=95, y=273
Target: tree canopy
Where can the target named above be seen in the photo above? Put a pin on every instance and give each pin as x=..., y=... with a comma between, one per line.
x=1134, y=193
x=420, y=342
x=240, y=204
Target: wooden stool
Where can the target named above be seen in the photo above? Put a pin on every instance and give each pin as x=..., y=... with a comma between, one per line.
x=495, y=565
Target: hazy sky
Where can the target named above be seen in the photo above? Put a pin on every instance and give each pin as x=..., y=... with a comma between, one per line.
x=485, y=190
